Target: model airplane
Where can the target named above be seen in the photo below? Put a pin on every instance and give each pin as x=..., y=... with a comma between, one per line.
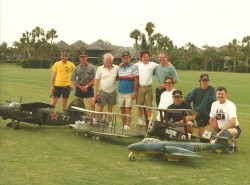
x=39, y=113
x=102, y=128
x=165, y=129
x=173, y=150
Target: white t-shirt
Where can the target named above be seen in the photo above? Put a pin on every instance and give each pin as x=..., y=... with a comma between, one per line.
x=165, y=101
x=145, y=72
x=223, y=113
x=107, y=78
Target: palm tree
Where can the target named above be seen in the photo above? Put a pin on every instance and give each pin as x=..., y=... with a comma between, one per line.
x=51, y=35
x=246, y=49
x=135, y=34
x=150, y=30
x=233, y=50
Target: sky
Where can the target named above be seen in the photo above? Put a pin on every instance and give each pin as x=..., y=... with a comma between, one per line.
x=201, y=22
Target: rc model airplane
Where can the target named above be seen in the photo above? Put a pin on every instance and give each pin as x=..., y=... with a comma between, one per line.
x=39, y=113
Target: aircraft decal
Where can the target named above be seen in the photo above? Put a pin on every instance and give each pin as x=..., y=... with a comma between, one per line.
x=54, y=116
x=76, y=101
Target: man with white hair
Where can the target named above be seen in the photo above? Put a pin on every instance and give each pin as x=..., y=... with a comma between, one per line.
x=105, y=87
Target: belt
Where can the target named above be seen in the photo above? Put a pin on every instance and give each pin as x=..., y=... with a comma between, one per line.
x=145, y=85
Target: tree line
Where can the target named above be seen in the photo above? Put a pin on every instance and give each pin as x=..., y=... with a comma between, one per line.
x=235, y=55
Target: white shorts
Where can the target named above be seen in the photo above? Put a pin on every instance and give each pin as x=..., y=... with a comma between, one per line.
x=124, y=100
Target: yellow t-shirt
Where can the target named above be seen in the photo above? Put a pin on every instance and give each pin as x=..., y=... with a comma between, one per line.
x=63, y=73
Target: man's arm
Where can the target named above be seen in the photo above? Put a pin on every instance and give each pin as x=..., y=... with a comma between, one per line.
x=53, y=78
x=96, y=86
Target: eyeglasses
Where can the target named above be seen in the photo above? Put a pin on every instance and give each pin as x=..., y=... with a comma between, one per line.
x=167, y=82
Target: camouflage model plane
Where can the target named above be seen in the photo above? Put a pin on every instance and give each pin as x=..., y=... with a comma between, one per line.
x=175, y=151
x=39, y=113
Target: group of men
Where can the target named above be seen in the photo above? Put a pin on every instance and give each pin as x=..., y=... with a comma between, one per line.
x=135, y=83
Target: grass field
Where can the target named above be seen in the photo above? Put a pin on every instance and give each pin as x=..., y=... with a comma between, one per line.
x=53, y=155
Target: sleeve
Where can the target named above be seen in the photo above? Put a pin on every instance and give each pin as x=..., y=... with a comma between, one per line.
x=190, y=96
x=232, y=111
x=98, y=74
x=212, y=112
x=212, y=97
x=54, y=68
x=73, y=75
x=174, y=74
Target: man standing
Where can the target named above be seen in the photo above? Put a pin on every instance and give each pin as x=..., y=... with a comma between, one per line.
x=223, y=117
x=105, y=84
x=165, y=68
x=145, y=92
x=128, y=76
x=60, y=80
x=83, y=79
x=202, y=98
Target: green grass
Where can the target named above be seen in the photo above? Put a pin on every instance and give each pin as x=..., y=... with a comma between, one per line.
x=53, y=155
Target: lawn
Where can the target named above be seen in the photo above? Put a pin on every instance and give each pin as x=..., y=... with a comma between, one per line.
x=54, y=155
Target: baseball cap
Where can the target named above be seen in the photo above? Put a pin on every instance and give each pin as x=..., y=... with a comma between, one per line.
x=126, y=53
x=83, y=54
x=177, y=93
x=64, y=52
x=204, y=77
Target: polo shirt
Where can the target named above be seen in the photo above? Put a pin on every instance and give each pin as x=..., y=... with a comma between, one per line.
x=162, y=71
x=107, y=78
x=146, y=72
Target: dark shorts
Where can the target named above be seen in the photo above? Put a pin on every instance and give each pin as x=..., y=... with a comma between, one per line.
x=61, y=91
x=107, y=98
x=238, y=131
x=202, y=121
x=88, y=94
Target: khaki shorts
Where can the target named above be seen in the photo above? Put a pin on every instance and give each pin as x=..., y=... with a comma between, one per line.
x=124, y=100
x=145, y=96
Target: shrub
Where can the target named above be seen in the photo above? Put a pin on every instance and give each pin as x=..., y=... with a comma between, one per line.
x=238, y=69
x=24, y=63
x=46, y=63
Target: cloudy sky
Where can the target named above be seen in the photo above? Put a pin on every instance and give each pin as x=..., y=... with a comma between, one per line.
x=211, y=22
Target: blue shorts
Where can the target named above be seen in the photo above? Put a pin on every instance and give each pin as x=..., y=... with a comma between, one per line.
x=61, y=91
x=88, y=94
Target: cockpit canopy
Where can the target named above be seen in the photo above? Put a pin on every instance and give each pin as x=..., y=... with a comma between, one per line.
x=15, y=105
x=150, y=140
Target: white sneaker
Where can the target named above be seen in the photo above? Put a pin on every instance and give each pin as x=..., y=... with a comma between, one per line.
x=140, y=122
x=126, y=127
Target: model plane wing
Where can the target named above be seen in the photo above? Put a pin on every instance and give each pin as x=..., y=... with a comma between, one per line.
x=179, y=152
x=178, y=111
x=108, y=134
x=35, y=105
x=96, y=112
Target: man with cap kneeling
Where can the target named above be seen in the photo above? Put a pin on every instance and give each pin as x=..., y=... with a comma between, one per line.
x=180, y=104
x=202, y=98
x=128, y=77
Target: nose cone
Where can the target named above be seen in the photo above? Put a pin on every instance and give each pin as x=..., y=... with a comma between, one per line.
x=136, y=147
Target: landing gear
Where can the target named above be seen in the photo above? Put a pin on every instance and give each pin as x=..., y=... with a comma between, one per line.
x=131, y=157
x=14, y=124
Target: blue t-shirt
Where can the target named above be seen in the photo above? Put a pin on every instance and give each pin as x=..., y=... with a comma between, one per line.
x=126, y=75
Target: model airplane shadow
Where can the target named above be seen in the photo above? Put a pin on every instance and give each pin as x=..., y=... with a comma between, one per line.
x=175, y=151
x=39, y=113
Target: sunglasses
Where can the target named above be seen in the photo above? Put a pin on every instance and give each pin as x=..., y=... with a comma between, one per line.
x=167, y=82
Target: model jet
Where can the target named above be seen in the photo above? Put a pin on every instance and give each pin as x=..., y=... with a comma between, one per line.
x=175, y=151
x=39, y=113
